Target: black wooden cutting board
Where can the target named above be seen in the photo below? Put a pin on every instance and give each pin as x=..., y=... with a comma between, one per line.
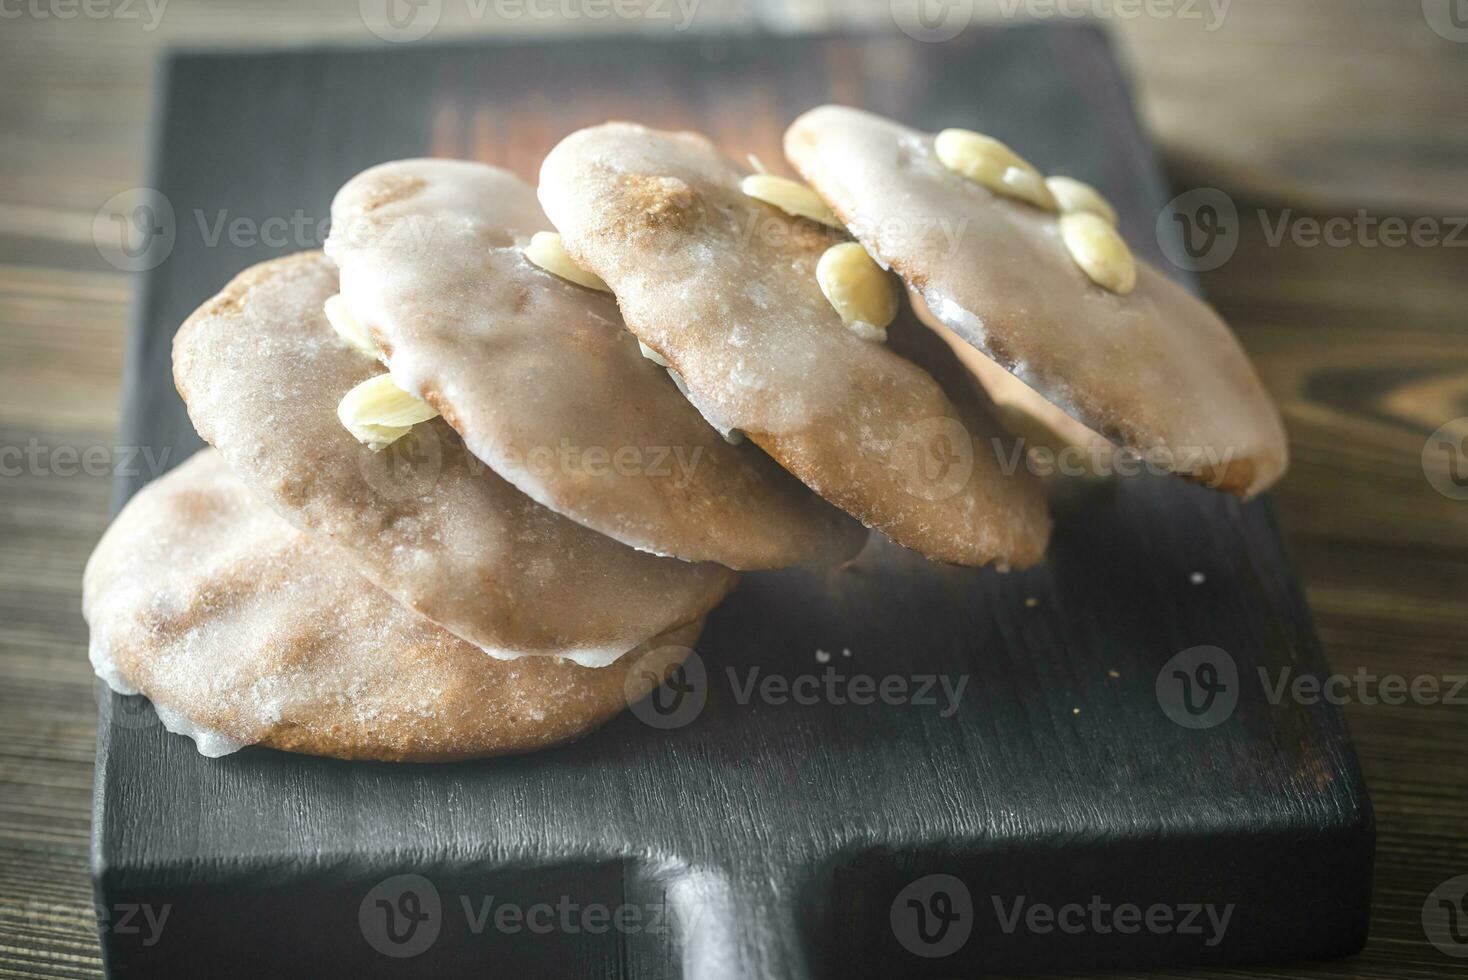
x=787, y=815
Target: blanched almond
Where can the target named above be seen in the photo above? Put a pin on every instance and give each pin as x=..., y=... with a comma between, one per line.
x=378, y=413
x=1100, y=251
x=790, y=196
x=989, y=162
x=545, y=250
x=861, y=292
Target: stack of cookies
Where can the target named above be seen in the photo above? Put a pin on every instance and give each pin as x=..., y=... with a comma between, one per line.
x=480, y=470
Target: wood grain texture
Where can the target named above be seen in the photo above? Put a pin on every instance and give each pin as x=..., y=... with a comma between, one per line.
x=1321, y=107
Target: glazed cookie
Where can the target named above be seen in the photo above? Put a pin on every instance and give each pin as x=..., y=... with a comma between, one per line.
x=732, y=292
x=450, y=269
x=1036, y=421
x=243, y=630
x=1032, y=273
x=263, y=374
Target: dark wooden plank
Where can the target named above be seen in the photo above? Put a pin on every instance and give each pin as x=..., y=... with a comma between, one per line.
x=776, y=836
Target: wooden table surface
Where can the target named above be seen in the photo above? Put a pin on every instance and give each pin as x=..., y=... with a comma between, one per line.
x=1301, y=111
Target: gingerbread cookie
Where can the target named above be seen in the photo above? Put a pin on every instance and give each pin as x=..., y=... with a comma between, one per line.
x=452, y=271
x=733, y=293
x=243, y=630
x=264, y=376
x=1032, y=273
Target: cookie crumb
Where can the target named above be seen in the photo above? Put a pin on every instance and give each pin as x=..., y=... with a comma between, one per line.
x=846, y=651
x=1075, y=711
x=1197, y=578
x=822, y=657
x=1031, y=602
x=1113, y=674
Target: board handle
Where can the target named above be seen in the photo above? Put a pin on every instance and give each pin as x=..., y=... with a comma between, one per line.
x=735, y=924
